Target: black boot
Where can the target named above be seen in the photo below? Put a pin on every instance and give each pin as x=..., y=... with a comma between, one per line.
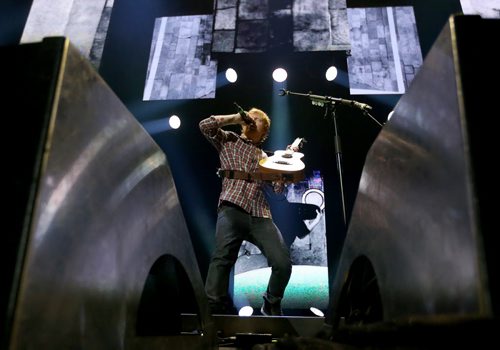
x=271, y=306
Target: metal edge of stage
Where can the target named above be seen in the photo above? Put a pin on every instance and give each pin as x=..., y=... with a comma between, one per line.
x=276, y=326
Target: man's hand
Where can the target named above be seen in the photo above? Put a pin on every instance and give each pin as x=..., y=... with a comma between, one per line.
x=244, y=116
x=247, y=119
x=278, y=186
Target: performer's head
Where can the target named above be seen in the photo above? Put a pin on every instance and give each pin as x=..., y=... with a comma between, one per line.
x=257, y=133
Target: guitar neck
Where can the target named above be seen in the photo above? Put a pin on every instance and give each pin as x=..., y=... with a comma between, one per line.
x=296, y=143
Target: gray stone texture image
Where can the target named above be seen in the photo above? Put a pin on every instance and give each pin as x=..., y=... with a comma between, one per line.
x=311, y=249
x=261, y=25
x=252, y=36
x=385, y=50
x=100, y=35
x=383, y=42
x=483, y=8
x=83, y=22
x=320, y=25
x=224, y=26
x=180, y=64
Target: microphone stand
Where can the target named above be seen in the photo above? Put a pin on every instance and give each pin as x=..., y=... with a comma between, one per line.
x=331, y=105
x=338, y=156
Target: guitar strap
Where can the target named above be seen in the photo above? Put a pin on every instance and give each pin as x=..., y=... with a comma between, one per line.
x=242, y=175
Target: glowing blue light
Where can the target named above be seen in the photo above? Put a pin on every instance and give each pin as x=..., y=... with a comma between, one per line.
x=317, y=311
x=174, y=122
x=246, y=311
x=231, y=75
x=331, y=73
x=389, y=116
x=279, y=75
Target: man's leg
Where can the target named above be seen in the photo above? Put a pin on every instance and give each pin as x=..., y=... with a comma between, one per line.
x=268, y=238
x=231, y=223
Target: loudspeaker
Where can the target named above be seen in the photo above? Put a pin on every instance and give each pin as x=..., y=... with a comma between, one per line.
x=95, y=232
x=421, y=244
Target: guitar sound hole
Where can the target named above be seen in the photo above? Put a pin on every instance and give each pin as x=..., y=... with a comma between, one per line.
x=287, y=155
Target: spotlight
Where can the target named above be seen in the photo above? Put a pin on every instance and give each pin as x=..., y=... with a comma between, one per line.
x=279, y=75
x=246, y=311
x=231, y=75
x=174, y=122
x=389, y=116
x=331, y=73
x=317, y=311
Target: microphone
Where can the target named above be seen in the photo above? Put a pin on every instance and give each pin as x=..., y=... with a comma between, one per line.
x=244, y=115
x=283, y=92
x=241, y=111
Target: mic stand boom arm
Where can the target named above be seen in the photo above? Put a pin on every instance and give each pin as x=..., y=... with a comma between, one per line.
x=318, y=100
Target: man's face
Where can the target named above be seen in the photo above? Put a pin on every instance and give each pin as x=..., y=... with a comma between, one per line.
x=257, y=131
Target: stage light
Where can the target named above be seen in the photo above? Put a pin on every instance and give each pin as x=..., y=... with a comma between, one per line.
x=389, y=116
x=331, y=73
x=174, y=122
x=279, y=75
x=317, y=311
x=231, y=75
x=246, y=311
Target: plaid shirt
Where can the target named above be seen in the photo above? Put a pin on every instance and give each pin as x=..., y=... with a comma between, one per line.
x=236, y=153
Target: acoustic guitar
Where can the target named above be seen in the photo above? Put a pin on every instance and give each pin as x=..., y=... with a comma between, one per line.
x=286, y=162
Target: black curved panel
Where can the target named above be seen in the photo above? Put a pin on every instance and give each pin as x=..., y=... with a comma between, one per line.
x=98, y=207
x=423, y=212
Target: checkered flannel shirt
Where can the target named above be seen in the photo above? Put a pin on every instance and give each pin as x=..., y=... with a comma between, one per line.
x=236, y=153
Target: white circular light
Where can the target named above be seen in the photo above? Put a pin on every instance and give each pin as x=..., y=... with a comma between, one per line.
x=389, y=116
x=331, y=73
x=174, y=122
x=314, y=196
x=279, y=75
x=246, y=311
x=231, y=75
x=317, y=311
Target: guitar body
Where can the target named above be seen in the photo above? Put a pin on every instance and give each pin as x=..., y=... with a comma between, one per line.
x=283, y=161
x=287, y=164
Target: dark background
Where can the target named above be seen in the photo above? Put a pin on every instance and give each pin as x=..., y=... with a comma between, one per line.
x=192, y=160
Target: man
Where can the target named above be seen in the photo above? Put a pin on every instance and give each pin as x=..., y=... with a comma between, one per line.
x=243, y=211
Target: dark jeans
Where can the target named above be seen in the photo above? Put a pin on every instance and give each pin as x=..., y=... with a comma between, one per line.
x=233, y=226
